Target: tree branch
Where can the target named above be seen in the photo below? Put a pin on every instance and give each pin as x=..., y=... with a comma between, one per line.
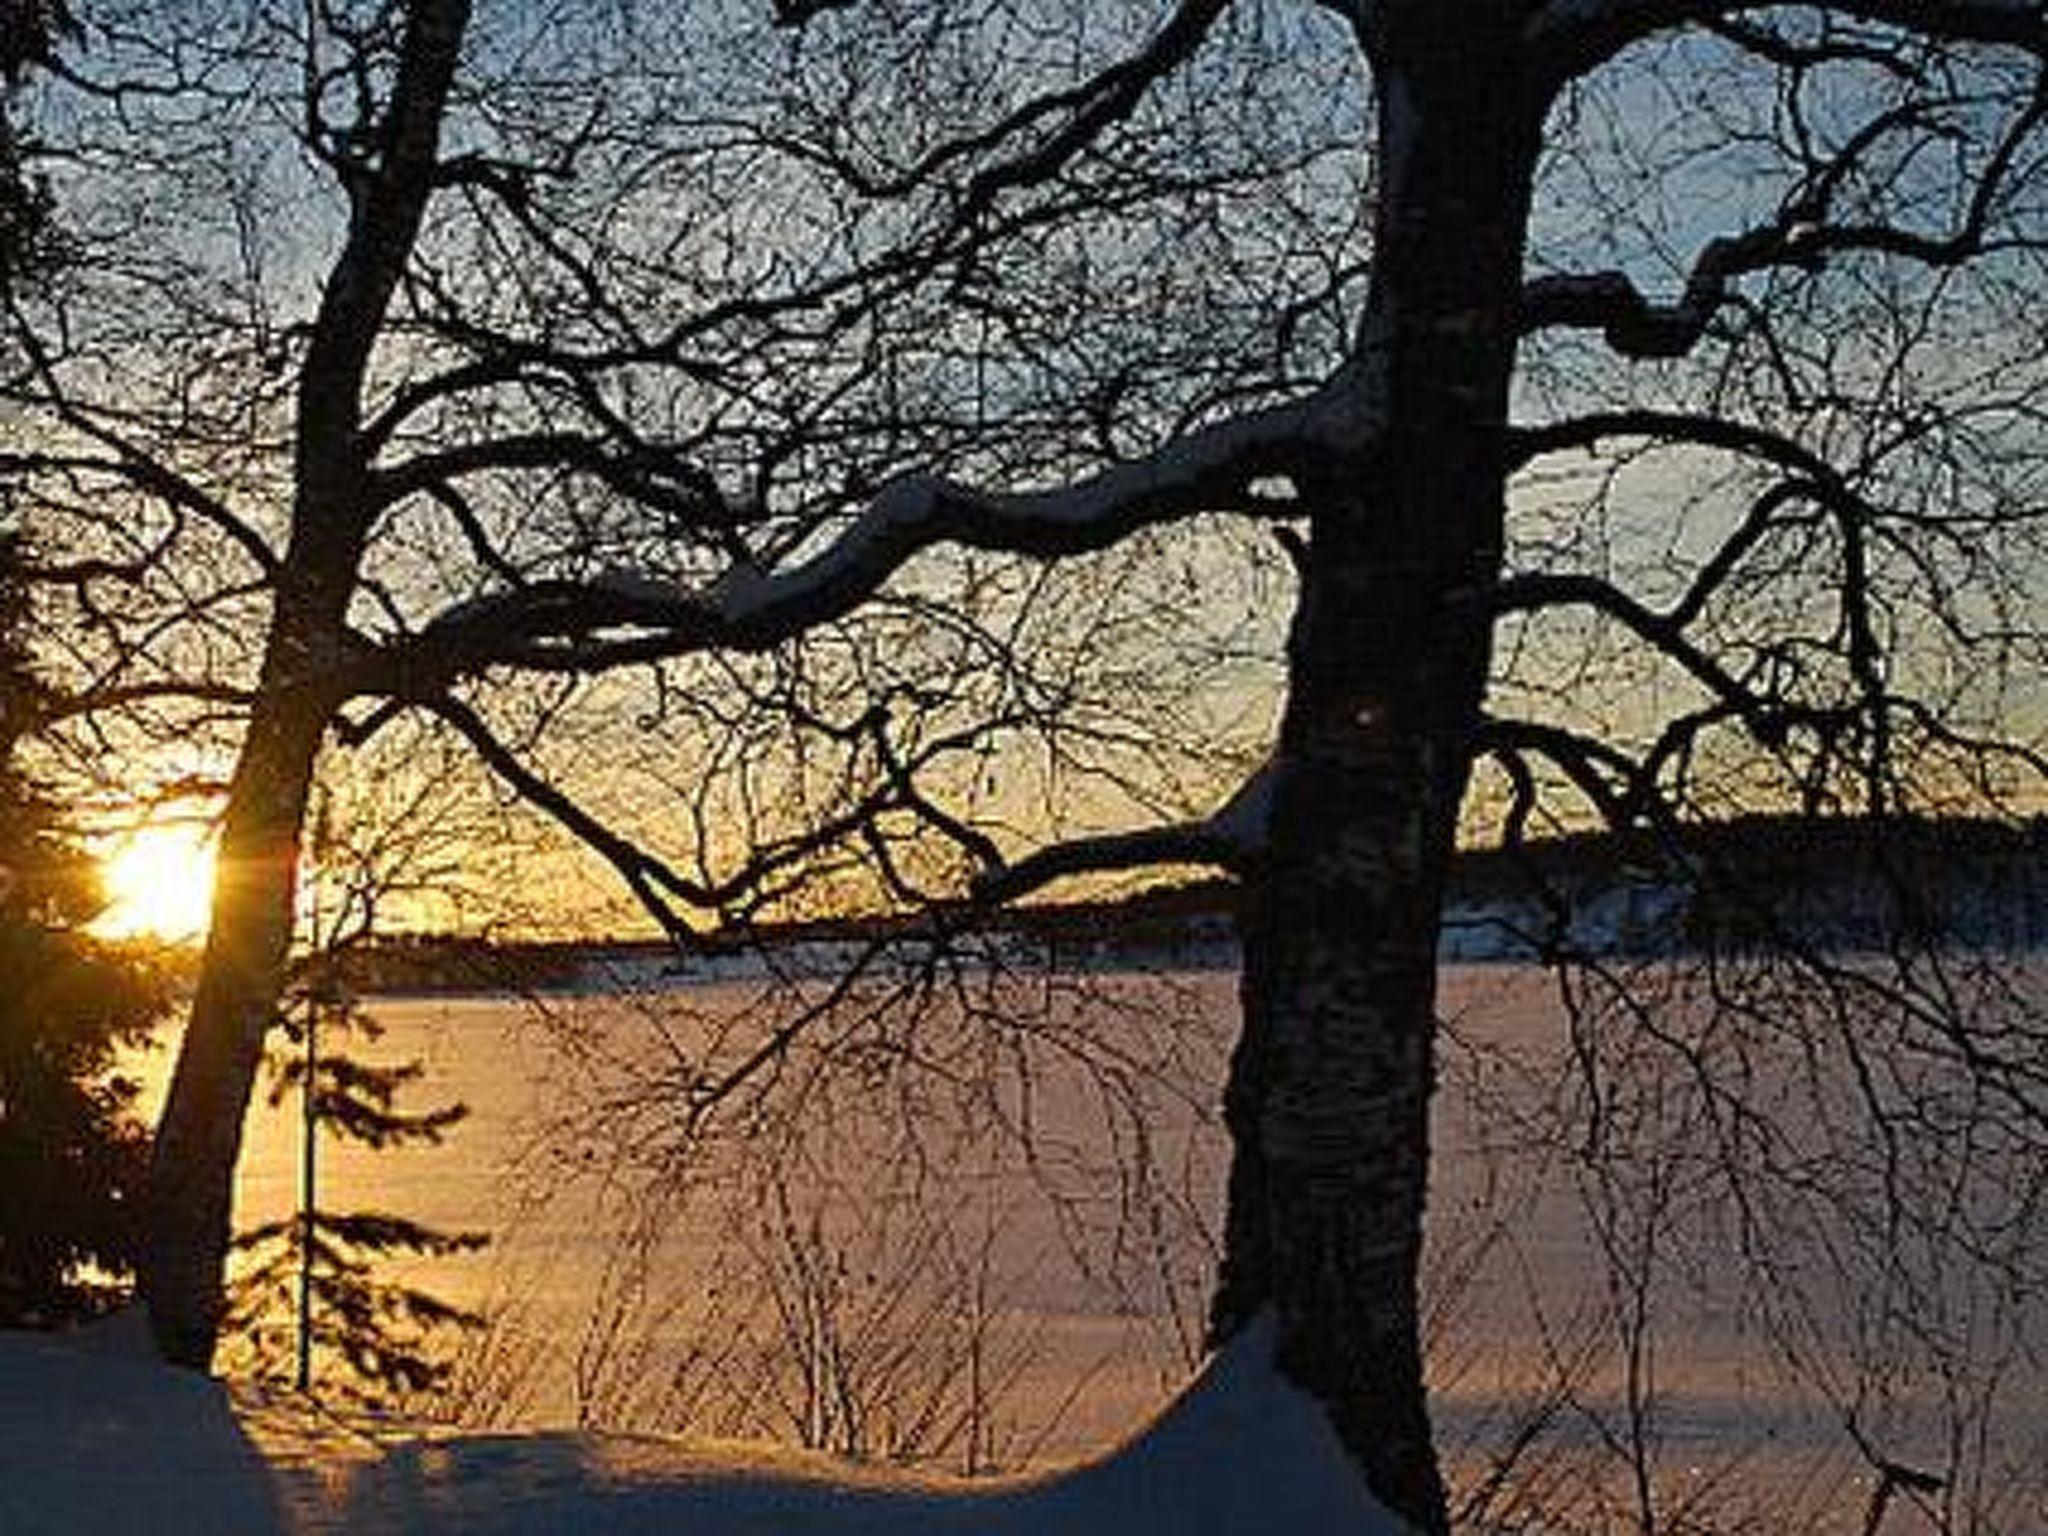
x=1232, y=839
x=1526, y=444
x=655, y=885
x=126, y=461
x=1569, y=38
x=1803, y=236
x=663, y=481
x=1525, y=594
x=1635, y=326
x=564, y=625
x=386, y=209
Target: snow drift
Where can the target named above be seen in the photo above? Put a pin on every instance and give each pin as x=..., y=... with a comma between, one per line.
x=96, y=1437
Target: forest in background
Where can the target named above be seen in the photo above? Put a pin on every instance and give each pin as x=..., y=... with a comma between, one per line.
x=1851, y=884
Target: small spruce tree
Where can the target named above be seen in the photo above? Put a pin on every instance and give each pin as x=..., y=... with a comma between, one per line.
x=316, y=1282
x=73, y=1156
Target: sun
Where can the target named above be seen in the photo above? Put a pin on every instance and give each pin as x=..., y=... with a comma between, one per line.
x=159, y=882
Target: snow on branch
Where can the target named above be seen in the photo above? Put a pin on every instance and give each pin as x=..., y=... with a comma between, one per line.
x=1207, y=470
x=622, y=617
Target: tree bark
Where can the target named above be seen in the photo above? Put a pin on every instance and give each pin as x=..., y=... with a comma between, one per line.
x=1328, y=1103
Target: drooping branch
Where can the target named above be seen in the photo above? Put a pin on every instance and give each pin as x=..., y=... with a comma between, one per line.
x=1611, y=780
x=1232, y=839
x=1110, y=853
x=1807, y=478
x=1526, y=444
x=1029, y=146
x=489, y=557
x=1079, y=113
x=664, y=891
x=123, y=460
x=657, y=886
x=1525, y=594
x=1766, y=714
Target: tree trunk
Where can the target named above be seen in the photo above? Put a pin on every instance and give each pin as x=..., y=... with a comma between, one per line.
x=241, y=975
x=199, y=1135
x=304, y=680
x=1328, y=1103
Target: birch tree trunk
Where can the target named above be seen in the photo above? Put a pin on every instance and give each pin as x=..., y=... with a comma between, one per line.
x=1328, y=1103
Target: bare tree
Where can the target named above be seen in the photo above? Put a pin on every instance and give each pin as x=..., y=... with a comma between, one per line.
x=1645, y=390
x=1800, y=565
x=389, y=388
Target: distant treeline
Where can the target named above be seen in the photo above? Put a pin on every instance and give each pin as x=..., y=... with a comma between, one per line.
x=1849, y=881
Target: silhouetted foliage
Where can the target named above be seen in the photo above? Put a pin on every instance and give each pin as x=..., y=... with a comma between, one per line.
x=29, y=31
x=381, y=1331
x=73, y=1158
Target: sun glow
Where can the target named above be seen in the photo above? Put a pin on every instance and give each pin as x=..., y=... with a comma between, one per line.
x=159, y=883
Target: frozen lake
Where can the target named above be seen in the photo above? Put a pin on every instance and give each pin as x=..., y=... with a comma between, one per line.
x=973, y=1222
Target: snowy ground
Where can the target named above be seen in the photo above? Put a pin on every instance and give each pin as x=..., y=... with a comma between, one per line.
x=97, y=1438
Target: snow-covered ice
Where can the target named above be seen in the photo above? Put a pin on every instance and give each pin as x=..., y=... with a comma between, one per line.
x=97, y=1438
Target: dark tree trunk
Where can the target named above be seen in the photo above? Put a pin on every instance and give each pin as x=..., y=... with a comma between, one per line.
x=1328, y=1103
x=248, y=945
x=303, y=681
x=199, y=1135
x=305, y=678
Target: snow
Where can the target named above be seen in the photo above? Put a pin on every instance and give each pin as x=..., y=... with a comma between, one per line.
x=97, y=1437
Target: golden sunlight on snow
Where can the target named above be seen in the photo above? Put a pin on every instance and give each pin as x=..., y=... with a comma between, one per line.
x=159, y=883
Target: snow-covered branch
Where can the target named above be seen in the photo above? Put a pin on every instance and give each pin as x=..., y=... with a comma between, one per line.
x=624, y=617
